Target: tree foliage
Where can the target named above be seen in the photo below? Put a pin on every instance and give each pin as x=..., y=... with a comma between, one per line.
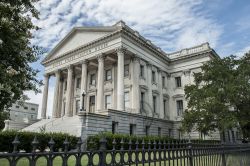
x=16, y=51
x=220, y=96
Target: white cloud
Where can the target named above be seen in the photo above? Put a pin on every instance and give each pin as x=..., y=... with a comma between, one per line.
x=171, y=24
x=242, y=51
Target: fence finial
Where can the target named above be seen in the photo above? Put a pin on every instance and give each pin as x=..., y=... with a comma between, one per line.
x=136, y=144
x=51, y=144
x=122, y=144
x=34, y=144
x=143, y=144
x=15, y=143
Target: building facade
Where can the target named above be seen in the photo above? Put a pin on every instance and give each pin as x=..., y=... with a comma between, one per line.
x=21, y=115
x=113, y=79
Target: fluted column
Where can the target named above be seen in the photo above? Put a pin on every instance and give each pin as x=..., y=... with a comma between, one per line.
x=100, y=83
x=83, y=85
x=60, y=97
x=45, y=96
x=120, y=78
x=149, y=83
x=135, y=81
x=56, y=95
x=68, y=92
x=161, y=110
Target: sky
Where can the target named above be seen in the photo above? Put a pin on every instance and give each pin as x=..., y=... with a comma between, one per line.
x=169, y=24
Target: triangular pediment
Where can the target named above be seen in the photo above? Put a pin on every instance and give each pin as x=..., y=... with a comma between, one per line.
x=78, y=37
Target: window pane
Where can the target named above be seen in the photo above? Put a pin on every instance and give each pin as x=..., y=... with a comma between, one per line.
x=92, y=79
x=153, y=76
x=126, y=99
x=78, y=82
x=107, y=101
x=179, y=104
x=126, y=70
x=108, y=75
x=142, y=71
x=178, y=81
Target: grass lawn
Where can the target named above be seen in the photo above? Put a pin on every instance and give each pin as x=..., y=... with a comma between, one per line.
x=232, y=160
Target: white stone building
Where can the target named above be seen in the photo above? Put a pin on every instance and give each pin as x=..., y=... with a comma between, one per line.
x=21, y=115
x=129, y=84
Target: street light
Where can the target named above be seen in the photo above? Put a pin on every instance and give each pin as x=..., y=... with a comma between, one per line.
x=83, y=106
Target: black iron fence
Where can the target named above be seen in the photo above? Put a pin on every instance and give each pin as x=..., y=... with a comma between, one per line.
x=178, y=153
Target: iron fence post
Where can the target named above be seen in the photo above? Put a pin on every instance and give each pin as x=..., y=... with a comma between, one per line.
x=223, y=154
x=190, y=155
x=102, y=149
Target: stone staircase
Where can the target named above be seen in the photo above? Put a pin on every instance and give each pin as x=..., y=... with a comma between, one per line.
x=71, y=125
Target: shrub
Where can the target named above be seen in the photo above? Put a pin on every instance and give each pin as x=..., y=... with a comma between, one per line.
x=25, y=138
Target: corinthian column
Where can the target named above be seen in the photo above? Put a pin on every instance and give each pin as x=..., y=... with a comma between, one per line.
x=83, y=85
x=135, y=83
x=45, y=96
x=120, y=78
x=69, y=91
x=100, y=83
x=56, y=95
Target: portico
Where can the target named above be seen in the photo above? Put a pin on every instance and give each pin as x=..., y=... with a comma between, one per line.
x=113, y=60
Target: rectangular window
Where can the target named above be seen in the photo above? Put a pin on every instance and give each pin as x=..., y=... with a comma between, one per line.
x=179, y=104
x=163, y=82
x=153, y=77
x=92, y=104
x=78, y=83
x=77, y=106
x=142, y=100
x=126, y=99
x=154, y=104
x=25, y=108
x=233, y=136
x=32, y=116
x=107, y=101
x=178, y=81
x=164, y=107
x=132, y=129
x=126, y=70
x=147, y=130
x=33, y=109
x=114, y=127
x=17, y=106
x=92, y=79
x=108, y=75
x=65, y=86
x=142, y=71
x=159, y=131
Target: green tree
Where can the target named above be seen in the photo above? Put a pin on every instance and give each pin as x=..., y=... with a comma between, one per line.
x=16, y=51
x=220, y=96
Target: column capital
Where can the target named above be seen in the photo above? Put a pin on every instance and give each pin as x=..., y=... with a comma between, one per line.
x=46, y=75
x=100, y=57
x=70, y=67
x=84, y=61
x=148, y=64
x=121, y=49
x=136, y=58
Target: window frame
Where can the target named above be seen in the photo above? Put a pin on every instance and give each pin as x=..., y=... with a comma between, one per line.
x=126, y=70
x=153, y=76
x=178, y=82
x=126, y=100
x=106, y=101
x=179, y=109
x=107, y=76
x=93, y=79
x=142, y=71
